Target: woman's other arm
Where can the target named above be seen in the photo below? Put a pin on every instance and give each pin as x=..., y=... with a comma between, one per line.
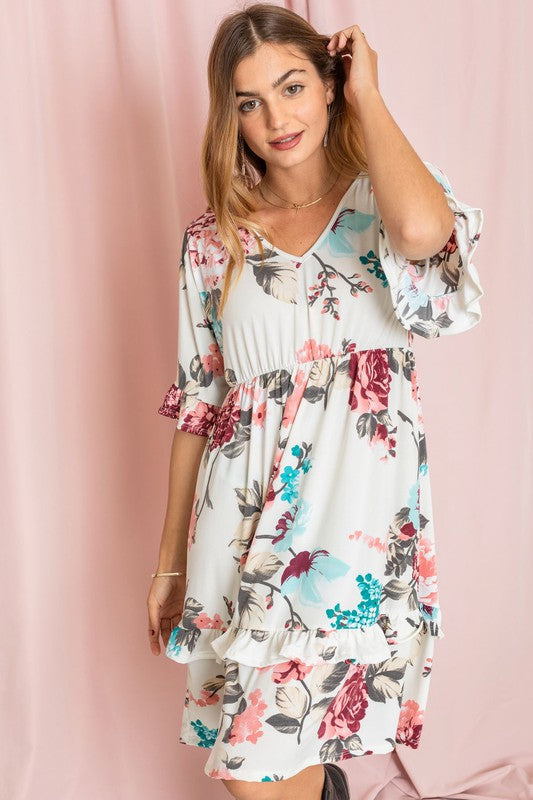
x=185, y=458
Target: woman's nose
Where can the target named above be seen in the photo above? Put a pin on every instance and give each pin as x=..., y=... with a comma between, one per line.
x=276, y=119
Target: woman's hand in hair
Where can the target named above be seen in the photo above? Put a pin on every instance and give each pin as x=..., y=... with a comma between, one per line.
x=361, y=67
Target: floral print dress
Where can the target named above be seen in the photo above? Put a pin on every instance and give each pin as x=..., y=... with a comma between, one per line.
x=311, y=609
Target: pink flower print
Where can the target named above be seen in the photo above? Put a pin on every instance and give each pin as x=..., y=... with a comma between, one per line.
x=294, y=670
x=451, y=245
x=214, y=362
x=410, y=724
x=203, y=620
x=370, y=380
x=210, y=281
x=371, y=541
x=414, y=385
x=222, y=773
x=293, y=401
x=249, y=242
x=205, y=698
x=348, y=707
x=311, y=351
x=440, y=304
x=427, y=565
x=198, y=418
x=427, y=578
x=247, y=725
x=259, y=415
x=412, y=271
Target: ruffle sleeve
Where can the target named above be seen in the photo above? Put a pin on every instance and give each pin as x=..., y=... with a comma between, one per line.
x=438, y=295
x=195, y=397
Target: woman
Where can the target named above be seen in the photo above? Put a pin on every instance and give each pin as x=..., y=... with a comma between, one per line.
x=301, y=591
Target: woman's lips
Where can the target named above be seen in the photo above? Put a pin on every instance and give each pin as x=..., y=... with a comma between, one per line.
x=287, y=145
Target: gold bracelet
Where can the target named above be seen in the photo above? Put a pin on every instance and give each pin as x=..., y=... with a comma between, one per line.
x=157, y=574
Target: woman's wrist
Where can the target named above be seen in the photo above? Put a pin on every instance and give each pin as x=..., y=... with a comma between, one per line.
x=160, y=574
x=171, y=566
x=172, y=555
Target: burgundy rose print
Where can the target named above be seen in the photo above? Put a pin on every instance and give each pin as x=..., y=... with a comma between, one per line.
x=348, y=707
x=370, y=380
x=227, y=420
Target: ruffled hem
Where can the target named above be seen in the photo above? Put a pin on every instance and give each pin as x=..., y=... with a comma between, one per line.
x=438, y=295
x=259, y=648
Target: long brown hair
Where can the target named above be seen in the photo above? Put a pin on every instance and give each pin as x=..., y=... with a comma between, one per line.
x=227, y=190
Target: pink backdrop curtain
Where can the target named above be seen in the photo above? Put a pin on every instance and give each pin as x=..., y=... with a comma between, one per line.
x=103, y=107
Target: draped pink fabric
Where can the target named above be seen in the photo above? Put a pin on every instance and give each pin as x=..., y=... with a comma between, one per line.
x=103, y=104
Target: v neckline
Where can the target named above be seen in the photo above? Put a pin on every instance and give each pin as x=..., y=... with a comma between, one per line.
x=321, y=236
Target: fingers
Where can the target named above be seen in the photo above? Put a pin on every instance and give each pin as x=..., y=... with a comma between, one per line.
x=165, y=630
x=154, y=628
x=339, y=40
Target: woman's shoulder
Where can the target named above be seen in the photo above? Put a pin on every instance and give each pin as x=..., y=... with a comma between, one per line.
x=201, y=227
x=204, y=236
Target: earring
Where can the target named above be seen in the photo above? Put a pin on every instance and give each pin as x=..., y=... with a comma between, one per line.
x=327, y=129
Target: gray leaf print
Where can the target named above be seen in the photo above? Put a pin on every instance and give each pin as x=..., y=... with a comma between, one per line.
x=276, y=277
x=384, y=680
x=283, y=723
x=251, y=607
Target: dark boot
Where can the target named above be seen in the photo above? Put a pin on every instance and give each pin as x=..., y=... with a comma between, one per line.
x=335, y=783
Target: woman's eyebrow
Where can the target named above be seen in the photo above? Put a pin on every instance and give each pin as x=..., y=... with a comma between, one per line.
x=274, y=85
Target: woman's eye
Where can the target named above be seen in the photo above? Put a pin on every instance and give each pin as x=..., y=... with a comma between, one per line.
x=299, y=85
x=243, y=106
x=292, y=86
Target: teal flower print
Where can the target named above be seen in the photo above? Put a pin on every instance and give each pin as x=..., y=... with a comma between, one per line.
x=173, y=649
x=340, y=239
x=207, y=736
x=289, y=476
x=215, y=323
x=301, y=575
x=375, y=268
x=367, y=609
x=414, y=296
x=429, y=613
x=414, y=504
x=302, y=454
x=291, y=526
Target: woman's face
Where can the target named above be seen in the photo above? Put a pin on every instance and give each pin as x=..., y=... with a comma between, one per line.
x=267, y=112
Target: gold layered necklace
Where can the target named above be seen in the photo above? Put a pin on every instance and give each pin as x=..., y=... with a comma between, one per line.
x=296, y=206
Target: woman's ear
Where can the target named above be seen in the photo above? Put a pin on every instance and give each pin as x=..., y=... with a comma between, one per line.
x=330, y=90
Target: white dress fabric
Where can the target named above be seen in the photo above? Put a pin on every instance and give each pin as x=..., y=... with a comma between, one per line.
x=311, y=609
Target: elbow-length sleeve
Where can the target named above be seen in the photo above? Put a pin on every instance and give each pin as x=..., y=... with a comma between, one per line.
x=195, y=397
x=438, y=295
